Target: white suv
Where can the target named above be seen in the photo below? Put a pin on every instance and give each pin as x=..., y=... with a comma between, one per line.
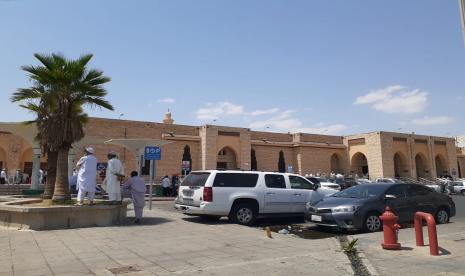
x=245, y=195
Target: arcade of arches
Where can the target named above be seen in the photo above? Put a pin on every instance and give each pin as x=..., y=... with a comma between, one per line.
x=376, y=154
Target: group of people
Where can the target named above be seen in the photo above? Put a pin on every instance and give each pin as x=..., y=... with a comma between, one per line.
x=86, y=181
x=20, y=177
x=170, y=187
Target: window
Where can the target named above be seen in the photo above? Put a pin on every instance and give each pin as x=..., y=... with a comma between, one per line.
x=416, y=190
x=243, y=180
x=196, y=180
x=398, y=191
x=314, y=180
x=300, y=183
x=275, y=181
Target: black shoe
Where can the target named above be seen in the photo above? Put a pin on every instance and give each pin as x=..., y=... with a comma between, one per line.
x=137, y=221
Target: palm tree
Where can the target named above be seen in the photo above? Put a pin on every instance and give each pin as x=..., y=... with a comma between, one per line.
x=63, y=88
x=40, y=102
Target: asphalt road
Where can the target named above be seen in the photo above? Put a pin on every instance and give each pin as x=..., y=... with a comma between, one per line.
x=309, y=230
x=458, y=199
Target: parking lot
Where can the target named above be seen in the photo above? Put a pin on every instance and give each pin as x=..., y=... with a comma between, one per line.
x=298, y=226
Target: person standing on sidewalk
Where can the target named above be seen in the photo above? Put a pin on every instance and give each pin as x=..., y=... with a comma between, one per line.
x=3, y=177
x=87, y=176
x=136, y=185
x=166, y=184
x=113, y=176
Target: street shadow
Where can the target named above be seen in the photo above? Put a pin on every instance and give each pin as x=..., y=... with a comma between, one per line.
x=444, y=252
x=261, y=222
x=206, y=221
x=406, y=248
x=145, y=221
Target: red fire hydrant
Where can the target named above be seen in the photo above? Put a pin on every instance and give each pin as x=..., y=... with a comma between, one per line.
x=391, y=228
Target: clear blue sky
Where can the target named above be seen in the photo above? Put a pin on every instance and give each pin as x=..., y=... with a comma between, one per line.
x=337, y=67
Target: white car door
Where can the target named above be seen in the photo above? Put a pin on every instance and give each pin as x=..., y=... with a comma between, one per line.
x=277, y=195
x=302, y=192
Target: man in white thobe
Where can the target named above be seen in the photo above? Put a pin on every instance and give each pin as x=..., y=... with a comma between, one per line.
x=3, y=177
x=87, y=176
x=112, y=182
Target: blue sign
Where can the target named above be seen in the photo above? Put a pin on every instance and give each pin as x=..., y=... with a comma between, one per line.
x=290, y=169
x=152, y=153
x=102, y=166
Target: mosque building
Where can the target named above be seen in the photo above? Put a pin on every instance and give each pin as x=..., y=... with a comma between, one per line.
x=185, y=148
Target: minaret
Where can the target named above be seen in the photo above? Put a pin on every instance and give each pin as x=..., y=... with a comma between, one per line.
x=168, y=120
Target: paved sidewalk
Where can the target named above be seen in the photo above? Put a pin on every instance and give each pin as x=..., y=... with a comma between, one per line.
x=167, y=244
x=412, y=260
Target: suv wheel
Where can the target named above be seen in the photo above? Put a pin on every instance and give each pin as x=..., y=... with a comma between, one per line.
x=442, y=216
x=243, y=213
x=372, y=223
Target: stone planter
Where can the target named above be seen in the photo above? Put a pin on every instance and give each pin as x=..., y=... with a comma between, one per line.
x=17, y=214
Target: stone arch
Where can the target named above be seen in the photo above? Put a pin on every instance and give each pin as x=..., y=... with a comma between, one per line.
x=421, y=165
x=441, y=165
x=227, y=159
x=400, y=165
x=359, y=164
x=336, y=165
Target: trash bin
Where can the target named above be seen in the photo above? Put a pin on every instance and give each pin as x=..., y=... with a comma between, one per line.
x=158, y=190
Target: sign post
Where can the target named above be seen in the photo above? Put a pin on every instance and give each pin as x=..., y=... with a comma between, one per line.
x=185, y=167
x=153, y=154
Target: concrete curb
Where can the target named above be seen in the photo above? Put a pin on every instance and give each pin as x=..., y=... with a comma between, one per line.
x=369, y=266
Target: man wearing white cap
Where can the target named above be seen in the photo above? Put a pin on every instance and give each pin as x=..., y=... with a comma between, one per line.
x=112, y=182
x=87, y=176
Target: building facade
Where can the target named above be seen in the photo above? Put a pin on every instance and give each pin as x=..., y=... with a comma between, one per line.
x=376, y=154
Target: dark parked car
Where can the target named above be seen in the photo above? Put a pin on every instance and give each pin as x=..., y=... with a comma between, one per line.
x=345, y=183
x=359, y=207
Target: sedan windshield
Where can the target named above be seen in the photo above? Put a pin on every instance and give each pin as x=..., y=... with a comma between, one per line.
x=362, y=191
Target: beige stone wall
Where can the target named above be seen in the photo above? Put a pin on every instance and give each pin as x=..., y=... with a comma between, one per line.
x=370, y=145
x=270, y=136
x=308, y=153
x=268, y=156
x=313, y=160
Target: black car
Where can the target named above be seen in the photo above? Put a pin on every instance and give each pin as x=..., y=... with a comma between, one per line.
x=345, y=183
x=359, y=207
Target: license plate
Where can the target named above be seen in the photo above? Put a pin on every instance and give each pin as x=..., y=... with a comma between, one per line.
x=188, y=193
x=316, y=218
x=188, y=201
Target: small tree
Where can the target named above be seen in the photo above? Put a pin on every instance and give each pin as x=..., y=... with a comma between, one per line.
x=281, y=163
x=253, y=160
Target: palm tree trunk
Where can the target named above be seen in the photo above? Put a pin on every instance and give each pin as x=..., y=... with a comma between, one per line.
x=61, y=192
x=51, y=174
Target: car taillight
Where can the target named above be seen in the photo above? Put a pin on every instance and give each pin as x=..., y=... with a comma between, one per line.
x=208, y=194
